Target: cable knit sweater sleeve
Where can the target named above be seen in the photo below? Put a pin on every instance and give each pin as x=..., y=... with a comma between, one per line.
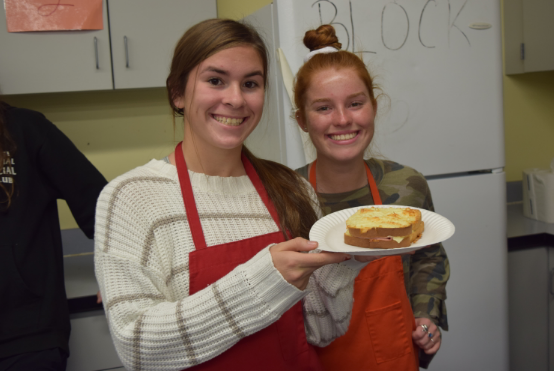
x=141, y=255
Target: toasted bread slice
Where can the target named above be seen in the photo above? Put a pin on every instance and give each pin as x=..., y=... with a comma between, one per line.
x=386, y=243
x=375, y=222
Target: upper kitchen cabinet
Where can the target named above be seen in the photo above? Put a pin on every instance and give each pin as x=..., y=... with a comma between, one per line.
x=144, y=34
x=41, y=62
x=528, y=36
x=133, y=50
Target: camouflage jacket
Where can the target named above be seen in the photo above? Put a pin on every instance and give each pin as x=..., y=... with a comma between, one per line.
x=426, y=271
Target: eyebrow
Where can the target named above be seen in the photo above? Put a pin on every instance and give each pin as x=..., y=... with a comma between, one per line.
x=225, y=73
x=348, y=97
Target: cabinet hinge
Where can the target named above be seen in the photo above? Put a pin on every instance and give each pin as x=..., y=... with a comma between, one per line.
x=522, y=51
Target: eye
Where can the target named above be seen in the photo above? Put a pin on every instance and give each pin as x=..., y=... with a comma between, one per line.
x=215, y=81
x=322, y=109
x=357, y=104
x=251, y=84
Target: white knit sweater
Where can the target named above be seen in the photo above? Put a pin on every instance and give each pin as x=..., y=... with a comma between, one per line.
x=142, y=245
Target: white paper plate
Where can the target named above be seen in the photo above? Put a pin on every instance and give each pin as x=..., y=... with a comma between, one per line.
x=329, y=232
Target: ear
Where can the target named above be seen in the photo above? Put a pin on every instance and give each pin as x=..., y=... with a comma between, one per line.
x=178, y=101
x=300, y=120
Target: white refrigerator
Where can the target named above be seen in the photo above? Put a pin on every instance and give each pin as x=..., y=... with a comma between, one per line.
x=439, y=64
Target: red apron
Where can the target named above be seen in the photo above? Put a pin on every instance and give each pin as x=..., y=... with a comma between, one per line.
x=379, y=337
x=280, y=346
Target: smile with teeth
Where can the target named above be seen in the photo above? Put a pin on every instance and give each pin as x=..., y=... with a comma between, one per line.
x=343, y=136
x=228, y=120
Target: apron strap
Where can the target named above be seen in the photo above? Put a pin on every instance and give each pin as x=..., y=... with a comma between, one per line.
x=373, y=186
x=190, y=204
x=370, y=180
x=188, y=197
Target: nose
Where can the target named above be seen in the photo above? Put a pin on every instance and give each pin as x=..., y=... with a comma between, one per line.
x=343, y=117
x=234, y=96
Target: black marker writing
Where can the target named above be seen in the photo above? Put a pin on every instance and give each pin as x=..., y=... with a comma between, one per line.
x=420, y=21
x=353, y=38
x=453, y=24
x=332, y=22
x=383, y=26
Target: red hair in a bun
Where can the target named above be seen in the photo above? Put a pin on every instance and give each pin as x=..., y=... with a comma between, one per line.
x=321, y=37
x=316, y=39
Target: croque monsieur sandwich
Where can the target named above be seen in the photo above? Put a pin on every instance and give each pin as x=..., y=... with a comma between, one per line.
x=384, y=228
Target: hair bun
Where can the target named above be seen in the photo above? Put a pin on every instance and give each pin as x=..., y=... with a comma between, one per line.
x=321, y=37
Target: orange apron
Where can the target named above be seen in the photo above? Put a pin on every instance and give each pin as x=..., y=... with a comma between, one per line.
x=282, y=346
x=379, y=337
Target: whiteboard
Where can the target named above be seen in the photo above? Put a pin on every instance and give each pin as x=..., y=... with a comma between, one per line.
x=441, y=73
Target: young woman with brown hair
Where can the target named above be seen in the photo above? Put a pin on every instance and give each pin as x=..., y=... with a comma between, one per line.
x=334, y=95
x=201, y=256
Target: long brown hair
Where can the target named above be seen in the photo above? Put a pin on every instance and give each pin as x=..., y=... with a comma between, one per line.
x=319, y=38
x=7, y=150
x=289, y=193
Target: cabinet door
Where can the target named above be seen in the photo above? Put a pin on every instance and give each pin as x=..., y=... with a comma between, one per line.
x=538, y=35
x=41, y=62
x=528, y=302
x=528, y=36
x=144, y=34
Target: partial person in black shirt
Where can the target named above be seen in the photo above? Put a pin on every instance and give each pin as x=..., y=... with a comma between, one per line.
x=39, y=166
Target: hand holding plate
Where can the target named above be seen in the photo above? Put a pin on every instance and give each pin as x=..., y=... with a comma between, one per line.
x=295, y=266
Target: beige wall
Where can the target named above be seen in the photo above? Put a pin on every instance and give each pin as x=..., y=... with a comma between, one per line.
x=119, y=130
x=116, y=130
x=528, y=122
x=237, y=9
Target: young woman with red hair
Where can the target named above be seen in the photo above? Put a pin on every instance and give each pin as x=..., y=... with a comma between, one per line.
x=336, y=105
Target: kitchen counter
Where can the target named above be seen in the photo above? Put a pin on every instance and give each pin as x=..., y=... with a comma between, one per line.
x=525, y=232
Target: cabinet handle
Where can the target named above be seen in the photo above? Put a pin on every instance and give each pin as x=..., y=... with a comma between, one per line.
x=551, y=283
x=96, y=52
x=126, y=52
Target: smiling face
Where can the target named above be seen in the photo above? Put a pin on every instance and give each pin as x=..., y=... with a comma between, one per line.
x=338, y=115
x=223, y=99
